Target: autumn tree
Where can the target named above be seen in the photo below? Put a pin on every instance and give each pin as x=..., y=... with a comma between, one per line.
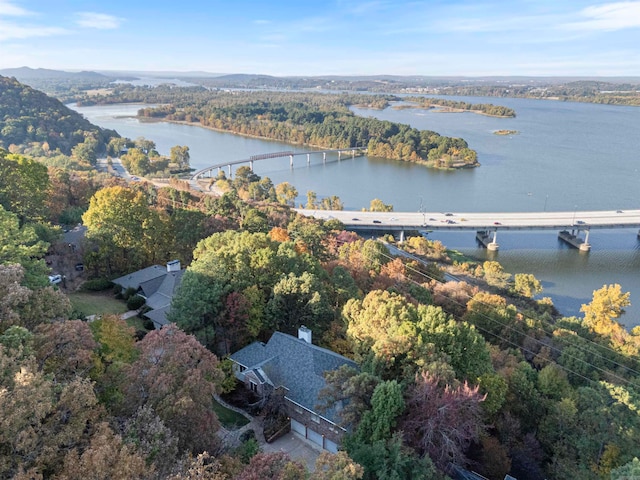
x=180, y=156
x=177, y=377
x=378, y=205
x=286, y=193
x=605, y=308
x=336, y=466
x=107, y=457
x=24, y=185
x=276, y=466
x=527, y=285
x=442, y=420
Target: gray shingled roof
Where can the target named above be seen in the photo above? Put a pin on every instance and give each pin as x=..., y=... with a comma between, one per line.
x=294, y=364
x=135, y=279
x=159, y=316
x=164, y=292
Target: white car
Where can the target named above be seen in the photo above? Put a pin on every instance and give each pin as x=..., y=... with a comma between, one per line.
x=55, y=279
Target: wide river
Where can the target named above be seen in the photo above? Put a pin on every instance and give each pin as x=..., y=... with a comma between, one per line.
x=566, y=157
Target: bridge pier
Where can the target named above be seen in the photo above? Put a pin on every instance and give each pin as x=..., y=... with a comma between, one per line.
x=339, y=154
x=251, y=165
x=353, y=154
x=324, y=157
x=574, y=240
x=229, y=170
x=401, y=237
x=488, y=240
x=291, y=161
x=308, y=158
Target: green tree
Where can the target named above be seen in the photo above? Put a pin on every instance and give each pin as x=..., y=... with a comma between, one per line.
x=180, y=156
x=24, y=187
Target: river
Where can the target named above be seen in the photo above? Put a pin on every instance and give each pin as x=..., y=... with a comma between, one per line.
x=566, y=157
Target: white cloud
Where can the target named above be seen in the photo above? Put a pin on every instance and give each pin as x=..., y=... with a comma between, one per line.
x=608, y=17
x=101, y=21
x=11, y=31
x=8, y=9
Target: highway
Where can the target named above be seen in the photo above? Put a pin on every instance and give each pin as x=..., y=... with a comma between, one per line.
x=397, y=221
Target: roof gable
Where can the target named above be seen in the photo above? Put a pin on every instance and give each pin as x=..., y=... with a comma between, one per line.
x=294, y=364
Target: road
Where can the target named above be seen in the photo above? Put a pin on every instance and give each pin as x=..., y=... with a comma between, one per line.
x=583, y=220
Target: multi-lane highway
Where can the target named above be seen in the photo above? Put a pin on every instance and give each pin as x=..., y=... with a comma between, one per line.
x=396, y=221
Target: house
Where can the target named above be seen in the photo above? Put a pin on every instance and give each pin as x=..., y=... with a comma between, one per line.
x=157, y=285
x=296, y=365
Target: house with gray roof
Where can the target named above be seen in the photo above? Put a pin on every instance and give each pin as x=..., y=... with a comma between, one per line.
x=157, y=285
x=297, y=366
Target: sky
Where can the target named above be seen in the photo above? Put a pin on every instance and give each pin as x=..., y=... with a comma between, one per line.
x=326, y=37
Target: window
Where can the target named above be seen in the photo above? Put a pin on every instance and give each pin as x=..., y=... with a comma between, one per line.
x=254, y=386
x=297, y=409
x=242, y=368
x=315, y=418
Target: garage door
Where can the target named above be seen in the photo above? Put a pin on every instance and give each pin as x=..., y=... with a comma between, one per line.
x=314, y=436
x=298, y=427
x=331, y=446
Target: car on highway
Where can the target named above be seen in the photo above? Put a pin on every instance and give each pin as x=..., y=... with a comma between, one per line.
x=377, y=221
x=448, y=214
x=497, y=223
x=355, y=219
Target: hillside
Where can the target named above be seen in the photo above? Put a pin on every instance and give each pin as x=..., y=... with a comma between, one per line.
x=28, y=115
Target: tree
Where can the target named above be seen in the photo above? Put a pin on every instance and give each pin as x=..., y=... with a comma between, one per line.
x=378, y=205
x=386, y=324
x=442, y=421
x=177, y=377
x=107, y=457
x=606, y=306
x=628, y=471
x=64, y=349
x=180, y=156
x=296, y=300
x=387, y=404
x=337, y=466
x=494, y=274
x=126, y=233
x=275, y=466
x=351, y=389
x=527, y=285
x=286, y=193
x=20, y=245
x=24, y=186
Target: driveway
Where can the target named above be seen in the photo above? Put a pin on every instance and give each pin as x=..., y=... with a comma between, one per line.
x=296, y=447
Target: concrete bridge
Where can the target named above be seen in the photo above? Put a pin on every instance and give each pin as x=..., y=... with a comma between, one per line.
x=574, y=226
x=265, y=156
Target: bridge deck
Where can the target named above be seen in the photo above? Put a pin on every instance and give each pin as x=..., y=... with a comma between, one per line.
x=397, y=221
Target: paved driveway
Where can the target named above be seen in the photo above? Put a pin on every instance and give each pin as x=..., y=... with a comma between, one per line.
x=296, y=447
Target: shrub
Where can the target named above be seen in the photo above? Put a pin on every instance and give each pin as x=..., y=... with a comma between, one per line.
x=135, y=302
x=97, y=285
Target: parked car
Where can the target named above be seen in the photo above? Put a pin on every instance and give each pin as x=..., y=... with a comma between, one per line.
x=55, y=279
x=377, y=221
x=79, y=267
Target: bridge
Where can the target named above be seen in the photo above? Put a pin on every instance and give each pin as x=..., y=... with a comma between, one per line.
x=265, y=156
x=486, y=225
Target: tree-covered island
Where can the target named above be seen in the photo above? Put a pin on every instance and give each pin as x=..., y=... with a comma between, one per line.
x=320, y=120
x=445, y=105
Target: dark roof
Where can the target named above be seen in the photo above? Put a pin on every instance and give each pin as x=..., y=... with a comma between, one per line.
x=135, y=279
x=163, y=293
x=295, y=364
x=158, y=316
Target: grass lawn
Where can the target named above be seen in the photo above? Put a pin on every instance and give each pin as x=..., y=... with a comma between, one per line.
x=228, y=418
x=96, y=303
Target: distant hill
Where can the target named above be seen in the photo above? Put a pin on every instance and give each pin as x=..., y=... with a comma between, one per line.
x=28, y=115
x=25, y=73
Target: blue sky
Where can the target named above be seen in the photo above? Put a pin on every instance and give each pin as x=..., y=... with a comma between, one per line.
x=322, y=37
